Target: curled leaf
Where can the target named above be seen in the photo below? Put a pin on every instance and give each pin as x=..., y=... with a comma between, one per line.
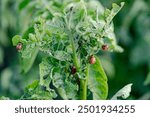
x=17, y=39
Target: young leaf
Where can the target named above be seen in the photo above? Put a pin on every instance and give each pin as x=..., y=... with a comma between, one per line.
x=17, y=39
x=97, y=81
x=109, y=14
x=124, y=92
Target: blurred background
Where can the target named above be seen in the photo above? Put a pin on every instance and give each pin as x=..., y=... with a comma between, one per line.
x=132, y=29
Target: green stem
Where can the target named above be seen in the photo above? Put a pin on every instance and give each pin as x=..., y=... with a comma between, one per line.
x=75, y=57
x=83, y=82
x=83, y=92
x=83, y=85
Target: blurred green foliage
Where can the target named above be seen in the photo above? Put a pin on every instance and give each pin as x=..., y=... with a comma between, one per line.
x=12, y=82
x=132, y=27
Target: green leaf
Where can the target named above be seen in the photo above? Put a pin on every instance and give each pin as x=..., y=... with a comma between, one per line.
x=71, y=89
x=77, y=13
x=56, y=26
x=1, y=55
x=32, y=87
x=35, y=92
x=6, y=76
x=28, y=61
x=27, y=32
x=124, y=92
x=61, y=55
x=109, y=14
x=4, y=98
x=45, y=69
x=62, y=93
x=57, y=80
x=48, y=74
x=23, y=4
x=97, y=81
x=147, y=81
x=18, y=39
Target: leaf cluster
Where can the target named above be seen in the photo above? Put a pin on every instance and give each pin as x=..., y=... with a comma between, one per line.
x=67, y=32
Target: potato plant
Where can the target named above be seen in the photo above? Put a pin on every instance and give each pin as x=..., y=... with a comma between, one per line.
x=68, y=34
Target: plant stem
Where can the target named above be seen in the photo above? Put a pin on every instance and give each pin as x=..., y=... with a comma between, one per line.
x=75, y=57
x=83, y=85
x=83, y=90
x=83, y=82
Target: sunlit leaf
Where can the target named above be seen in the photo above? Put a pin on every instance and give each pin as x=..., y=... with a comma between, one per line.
x=97, y=81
